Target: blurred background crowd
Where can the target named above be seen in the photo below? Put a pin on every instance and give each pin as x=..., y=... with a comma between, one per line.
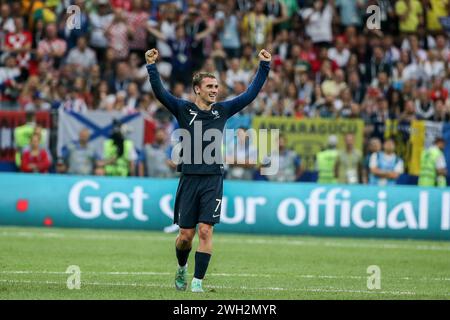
x=327, y=63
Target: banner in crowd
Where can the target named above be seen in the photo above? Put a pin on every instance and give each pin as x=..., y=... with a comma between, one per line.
x=247, y=207
x=100, y=125
x=9, y=120
x=309, y=136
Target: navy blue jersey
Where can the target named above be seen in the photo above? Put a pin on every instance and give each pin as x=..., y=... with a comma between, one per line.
x=190, y=116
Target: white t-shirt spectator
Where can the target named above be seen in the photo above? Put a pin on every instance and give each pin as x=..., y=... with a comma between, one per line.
x=399, y=167
x=319, y=24
x=168, y=29
x=8, y=25
x=233, y=76
x=99, y=25
x=84, y=59
x=341, y=58
x=433, y=69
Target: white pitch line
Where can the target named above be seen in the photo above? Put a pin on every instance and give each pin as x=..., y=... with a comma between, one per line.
x=243, y=275
x=128, y=284
x=255, y=241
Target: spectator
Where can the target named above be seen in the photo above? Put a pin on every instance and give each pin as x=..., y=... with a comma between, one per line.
x=80, y=156
x=441, y=112
x=340, y=54
x=318, y=22
x=435, y=9
x=76, y=28
x=35, y=158
x=433, y=168
x=290, y=167
x=100, y=19
x=326, y=162
x=374, y=146
x=19, y=42
x=424, y=106
x=349, y=162
x=241, y=157
x=82, y=56
x=350, y=12
x=121, y=79
x=377, y=64
x=410, y=15
x=235, y=73
x=51, y=49
x=228, y=27
x=137, y=20
x=197, y=28
x=385, y=166
x=23, y=134
x=181, y=54
x=10, y=83
x=409, y=113
x=132, y=98
x=119, y=34
x=379, y=118
x=119, y=153
x=158, y=162
x=6, y=20
x=257, y=27
x=277, y=12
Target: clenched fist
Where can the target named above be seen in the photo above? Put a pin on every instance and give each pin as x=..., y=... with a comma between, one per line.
x=264, y=55
x=151, y=56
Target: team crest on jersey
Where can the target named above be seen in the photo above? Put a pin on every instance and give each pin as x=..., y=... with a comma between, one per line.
x=215, y=114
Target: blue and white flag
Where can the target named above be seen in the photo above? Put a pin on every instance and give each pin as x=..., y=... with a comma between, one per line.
x=100, y=124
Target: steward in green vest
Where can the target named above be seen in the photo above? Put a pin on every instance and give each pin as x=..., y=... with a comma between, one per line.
x=119, y=154
x=326, y=161
x=433, y=169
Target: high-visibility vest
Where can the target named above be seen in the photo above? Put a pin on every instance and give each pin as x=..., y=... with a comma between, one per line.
x=121, y=167
x=326, y=162
x=22, y=137
x=427, y=174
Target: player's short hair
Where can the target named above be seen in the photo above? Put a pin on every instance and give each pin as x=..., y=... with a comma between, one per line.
x=199, y=76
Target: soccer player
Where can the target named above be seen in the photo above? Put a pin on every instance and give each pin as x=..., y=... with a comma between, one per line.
x=199, y=194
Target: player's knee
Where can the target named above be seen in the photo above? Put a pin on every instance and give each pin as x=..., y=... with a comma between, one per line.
x=185, y=238
x=184, y=243
x=205, y=232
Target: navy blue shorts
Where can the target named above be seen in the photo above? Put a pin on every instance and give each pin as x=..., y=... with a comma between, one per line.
x=199, y=199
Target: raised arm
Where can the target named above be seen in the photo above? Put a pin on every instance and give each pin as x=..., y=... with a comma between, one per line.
x=241, y=101
x=169, y=101
x=156, y=33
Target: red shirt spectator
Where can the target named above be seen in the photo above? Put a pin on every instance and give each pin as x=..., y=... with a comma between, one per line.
x=137, y=19
x=121, y=4
x=20, y=42
x=35, y=159
x=438, y=91
x=51, y=49
x=119, y=34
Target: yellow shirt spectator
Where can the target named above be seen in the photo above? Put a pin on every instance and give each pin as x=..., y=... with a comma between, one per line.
x=257, y=29
x=409, y=12
x=438, y=9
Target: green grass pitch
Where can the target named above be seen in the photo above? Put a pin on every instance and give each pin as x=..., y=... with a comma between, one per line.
x=141, y=265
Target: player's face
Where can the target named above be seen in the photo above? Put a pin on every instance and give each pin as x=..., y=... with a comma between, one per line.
x=209, y=89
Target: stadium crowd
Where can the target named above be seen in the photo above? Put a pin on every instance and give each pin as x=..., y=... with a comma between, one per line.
x=328, y=63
